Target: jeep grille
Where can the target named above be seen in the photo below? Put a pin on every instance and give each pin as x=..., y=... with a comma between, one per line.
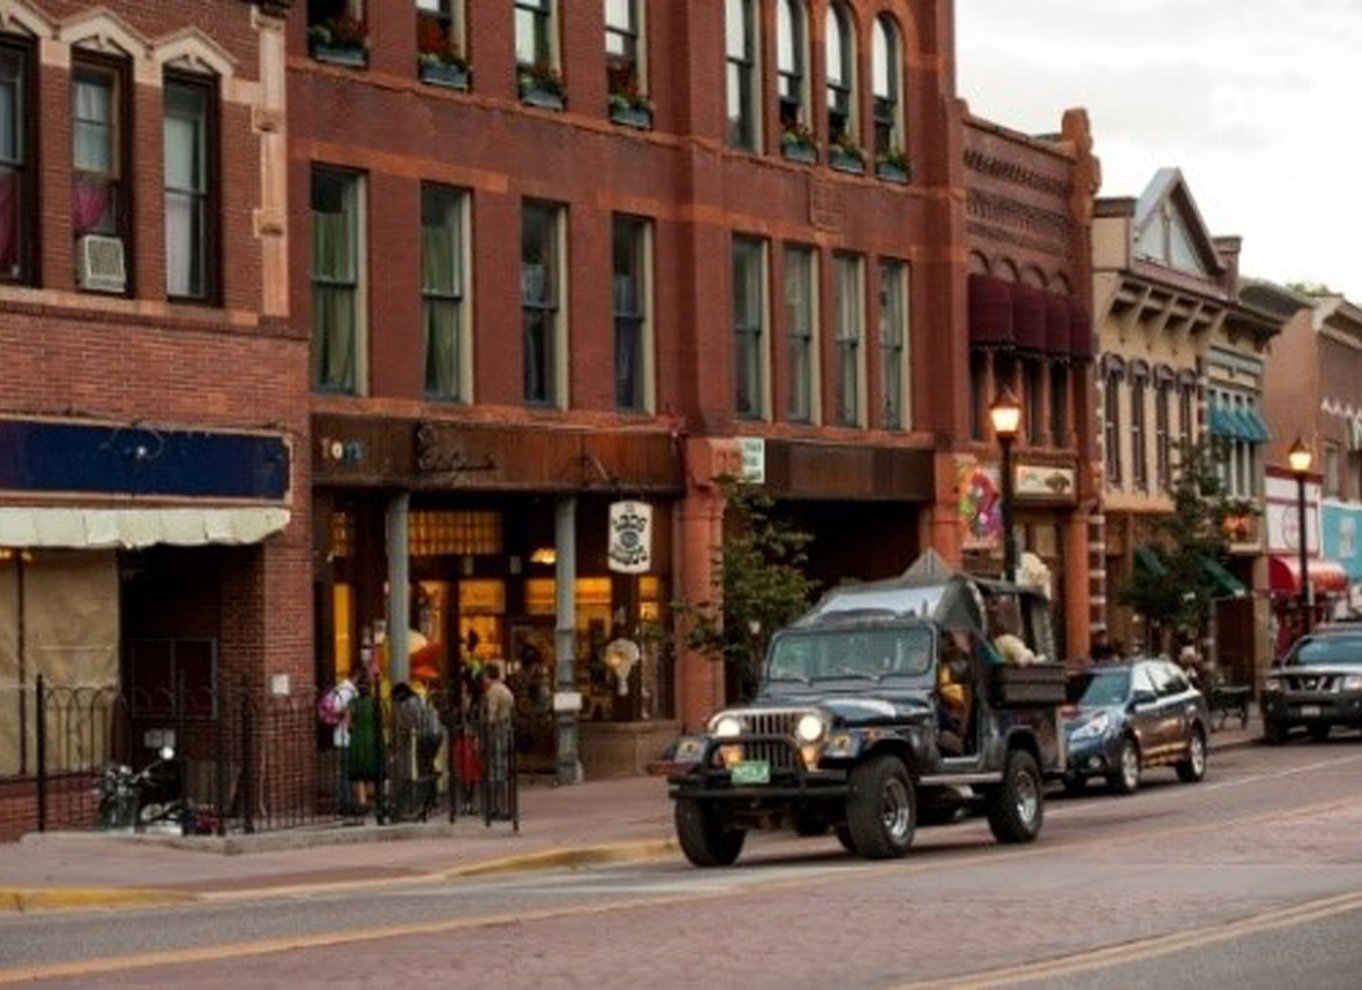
x=780, y=755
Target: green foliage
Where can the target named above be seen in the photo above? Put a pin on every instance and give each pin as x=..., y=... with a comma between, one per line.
x=1194, y=534
x=759, y=584
x=1310, y=288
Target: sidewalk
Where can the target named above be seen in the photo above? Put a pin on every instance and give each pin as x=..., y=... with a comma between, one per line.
x=597, y=822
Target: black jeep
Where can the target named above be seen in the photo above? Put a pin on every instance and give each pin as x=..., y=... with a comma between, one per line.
x=882, y=709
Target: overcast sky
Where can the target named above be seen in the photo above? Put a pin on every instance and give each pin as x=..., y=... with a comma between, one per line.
x=1259, y=102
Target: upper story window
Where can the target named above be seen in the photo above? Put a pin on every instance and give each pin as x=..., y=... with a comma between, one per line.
x=443, y=280
x=99, y=199
x=541, y=274
x=626, y=70
x=18, y=225
x=740, y=46
x=841, y=69
x=792, y=67
x=1059, y=404
x=887, y=74
x=1033, y=373
x=749, y=327
x=849, y=286
x=1163, y=451
x=894, y=360
x=1111, y=432
x=442, y=42
x=338, y=31
x=633, y=330
x=1138, y=454
x=190, y=189
x=338, y=332
x=538, y=67
x=801, y=330
x=1187, y=411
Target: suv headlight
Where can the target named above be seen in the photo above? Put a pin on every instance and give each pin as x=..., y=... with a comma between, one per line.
x=1094, y=727
x=1272, y=684
x=1353, y=682
x=726, y=727
x=810, y=728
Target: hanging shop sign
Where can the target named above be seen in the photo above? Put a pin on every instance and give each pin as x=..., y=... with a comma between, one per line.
x=753, y=459
x=631, y=537
x=1045, y=481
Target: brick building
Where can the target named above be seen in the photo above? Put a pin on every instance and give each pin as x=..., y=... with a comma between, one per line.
x=154, y=532
x=555, y=265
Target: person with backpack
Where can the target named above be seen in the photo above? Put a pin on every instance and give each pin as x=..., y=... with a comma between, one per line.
x=333, y=712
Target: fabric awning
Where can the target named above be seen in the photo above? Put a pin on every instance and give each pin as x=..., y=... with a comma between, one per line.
x=1224, y=584
x=1028, y=316
x=1081, y=343
x=990, y=312
x=57, y=526
x=1245, y=424
x=1147, y=560
x=1256, y=426
x=1326, y=576
x=1056, y=325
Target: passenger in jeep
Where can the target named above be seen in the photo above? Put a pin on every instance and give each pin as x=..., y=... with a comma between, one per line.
x=952, y=684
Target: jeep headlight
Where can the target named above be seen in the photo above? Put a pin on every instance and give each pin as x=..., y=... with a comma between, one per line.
x=810, y=728
x=1353, y=682
x=727, y=727
x=1272, y=684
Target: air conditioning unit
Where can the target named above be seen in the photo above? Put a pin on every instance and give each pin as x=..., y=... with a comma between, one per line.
x=100, y=264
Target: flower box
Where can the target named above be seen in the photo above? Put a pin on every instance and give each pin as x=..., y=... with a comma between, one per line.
x=535, y=96
x=845, y=161
x=894, y=173
x=795, y=152
x=445, y=74
x=640, y=117
x=346, y=55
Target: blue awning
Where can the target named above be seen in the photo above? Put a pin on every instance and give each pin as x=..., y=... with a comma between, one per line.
x=1257, y=426
x=1245, y=424
x=1220, y=421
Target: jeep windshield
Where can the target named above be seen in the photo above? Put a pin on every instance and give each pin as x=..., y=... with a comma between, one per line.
x=808, y=657
x=1327, y=649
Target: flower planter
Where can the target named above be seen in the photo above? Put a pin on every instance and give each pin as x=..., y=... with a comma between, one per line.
x=893, y=173
x=800, y=153
x=350, y=57
x=639, y=117
x=444, y=74
x=844, y=162
x=547, y=99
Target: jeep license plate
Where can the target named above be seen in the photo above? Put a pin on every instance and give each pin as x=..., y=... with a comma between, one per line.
x=752, y=772
x=1310, y=711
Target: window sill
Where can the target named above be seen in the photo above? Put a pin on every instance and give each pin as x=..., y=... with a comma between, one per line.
x=842, y=162
x=350, y=58
x=543, y=99
x=638, y=118
x=802, y=153
x=892, y=173
x=443, y=74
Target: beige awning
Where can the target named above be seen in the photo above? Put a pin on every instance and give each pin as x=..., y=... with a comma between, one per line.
x=51, y=526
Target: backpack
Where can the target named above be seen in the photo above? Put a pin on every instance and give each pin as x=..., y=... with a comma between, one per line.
x=330, y=709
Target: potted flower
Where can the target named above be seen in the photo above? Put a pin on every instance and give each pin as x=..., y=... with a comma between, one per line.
x=894, y=166
x=342, y=40
x=846, y=155
x=437, y=61
x=541, y=85
x=629, y=105
x=797, y=143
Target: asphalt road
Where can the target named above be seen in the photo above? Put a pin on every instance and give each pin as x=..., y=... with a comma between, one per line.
x=1254, y=876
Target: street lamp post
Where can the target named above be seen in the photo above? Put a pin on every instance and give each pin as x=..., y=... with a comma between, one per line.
x=1299, y=458
x=1005, y=412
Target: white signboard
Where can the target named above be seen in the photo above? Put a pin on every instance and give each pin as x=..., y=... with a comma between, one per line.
x=753, y=459
x=631, y=537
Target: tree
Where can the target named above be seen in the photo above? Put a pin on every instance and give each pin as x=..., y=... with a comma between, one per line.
x=1176, y=590
x=759, y=585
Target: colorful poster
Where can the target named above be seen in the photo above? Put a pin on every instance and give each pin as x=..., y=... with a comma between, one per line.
x=981, y=506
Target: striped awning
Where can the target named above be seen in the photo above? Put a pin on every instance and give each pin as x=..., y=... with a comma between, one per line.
x=1245, y=424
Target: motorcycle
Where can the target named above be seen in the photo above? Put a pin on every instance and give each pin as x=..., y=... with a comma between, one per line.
x=129, y=800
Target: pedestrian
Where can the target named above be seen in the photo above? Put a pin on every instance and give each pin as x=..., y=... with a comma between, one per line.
x=333, y=711
x=365, y=756
x=498, y=713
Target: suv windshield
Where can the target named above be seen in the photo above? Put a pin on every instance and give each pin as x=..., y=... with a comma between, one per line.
x=1100, y=688
x=869, y=653
x=1327, y=649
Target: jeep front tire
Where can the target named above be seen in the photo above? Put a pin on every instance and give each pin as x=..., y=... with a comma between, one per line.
x=1016, y=808
x=705, y=837
x=882, y=809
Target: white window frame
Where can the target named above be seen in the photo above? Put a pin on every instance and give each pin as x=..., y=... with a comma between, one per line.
x=559, y=373
x=359, y=192
x=798, y=12
x=898, y=274
x=762, y=358
x=849, y=337
x=847, y=84
x=464, y=344
x=547, y=10
x=639, y=15
x=750, y=67
x=647, y=347
x=814, y=414
x=895, y=75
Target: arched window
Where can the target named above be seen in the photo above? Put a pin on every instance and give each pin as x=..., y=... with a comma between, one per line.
x=741, y=48
x=841, y=58
x=792, y=64
x=887, y=75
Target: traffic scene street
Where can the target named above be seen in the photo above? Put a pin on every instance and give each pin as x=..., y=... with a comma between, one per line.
x=1252, y=878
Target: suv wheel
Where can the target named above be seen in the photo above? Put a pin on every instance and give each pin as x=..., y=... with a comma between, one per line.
x=881, y=811
x=1125, y=779
x=705, y=837
x=1193, y=769
x=1016, y=809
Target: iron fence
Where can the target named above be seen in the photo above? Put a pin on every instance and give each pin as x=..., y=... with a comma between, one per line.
x=248, y=762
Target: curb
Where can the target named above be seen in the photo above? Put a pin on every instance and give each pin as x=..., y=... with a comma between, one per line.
x=571, y=858
x=27, y=899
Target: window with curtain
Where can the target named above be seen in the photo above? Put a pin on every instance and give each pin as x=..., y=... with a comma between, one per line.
x=337, y=332
x=442, y=291
x=1059, y=403
x=96, y=126
x=848, y=286
x=740, y=45
x=894, y=363
x=792, y=63
x=1139, y=466
x=841, y=69
x=625, y=76
x=1111, y=432
x=1163, y=464
x=534, y=34
x=749, y=325
x=540, y=302
x=800, y=323
x=17, y=225
x=887, y=70
x=440, y=32
x=632, y=237
x=190, y=265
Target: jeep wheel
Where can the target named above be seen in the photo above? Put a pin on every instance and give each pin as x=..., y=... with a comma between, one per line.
x=881, y=811
x=1274, y=732
x=1125, y=779
x=704, y=836
x=1319, y=732
x=1016, y=809
x=844, y=837
x=1193, y=769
